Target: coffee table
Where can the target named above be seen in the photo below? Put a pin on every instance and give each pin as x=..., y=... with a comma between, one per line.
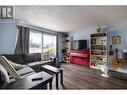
x=27, y=83
x=56, y=71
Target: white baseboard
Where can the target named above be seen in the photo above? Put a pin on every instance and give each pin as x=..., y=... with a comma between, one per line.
x=122, y=70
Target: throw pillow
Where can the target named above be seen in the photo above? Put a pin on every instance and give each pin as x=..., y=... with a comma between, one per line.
x=16, y=66
x=45, y=56
x=10, y=69
x=4, y=77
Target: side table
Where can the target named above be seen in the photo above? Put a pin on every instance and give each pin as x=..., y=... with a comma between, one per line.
x=56, y=71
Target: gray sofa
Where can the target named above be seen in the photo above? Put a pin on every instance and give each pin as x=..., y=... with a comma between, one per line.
x=32, y=62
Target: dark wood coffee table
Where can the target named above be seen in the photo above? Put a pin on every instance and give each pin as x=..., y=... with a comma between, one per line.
x=27, y=83
x=54, y=70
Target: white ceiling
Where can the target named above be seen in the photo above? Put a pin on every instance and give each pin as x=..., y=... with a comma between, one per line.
x=70, y=18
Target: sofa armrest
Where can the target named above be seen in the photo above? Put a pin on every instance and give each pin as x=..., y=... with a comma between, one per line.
x=36, y=65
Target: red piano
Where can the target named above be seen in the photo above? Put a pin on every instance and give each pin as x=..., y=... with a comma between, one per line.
x=80, y=57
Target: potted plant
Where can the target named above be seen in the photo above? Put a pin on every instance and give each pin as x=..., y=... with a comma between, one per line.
x=98, y=29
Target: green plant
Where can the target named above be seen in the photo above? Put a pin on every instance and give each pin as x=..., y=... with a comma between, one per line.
x=51, y=51
x=98, y=29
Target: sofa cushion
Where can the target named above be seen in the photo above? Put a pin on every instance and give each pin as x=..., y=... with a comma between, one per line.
x=25, y=70
x=23, y=76
x=32, y=57
x=4, y=77
x=16, y=66
x=10, y=69
x=17, y=58
x=38, y=63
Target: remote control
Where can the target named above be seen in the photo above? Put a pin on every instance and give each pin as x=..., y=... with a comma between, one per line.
x=36, y=79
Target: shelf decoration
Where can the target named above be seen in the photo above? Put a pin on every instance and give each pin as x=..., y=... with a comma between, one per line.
x=111, y=52
x=116, y=40
x=98, y=29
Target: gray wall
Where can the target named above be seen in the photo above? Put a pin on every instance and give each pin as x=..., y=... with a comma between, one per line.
x=82, y=35
x=8, y=36
x=120, y=30
x=113, y=30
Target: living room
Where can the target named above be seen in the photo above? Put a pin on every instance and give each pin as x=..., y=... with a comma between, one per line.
x=85, y=44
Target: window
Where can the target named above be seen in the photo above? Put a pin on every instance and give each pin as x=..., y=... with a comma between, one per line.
x=35, y=42
x=49, y=44
x=42, y=42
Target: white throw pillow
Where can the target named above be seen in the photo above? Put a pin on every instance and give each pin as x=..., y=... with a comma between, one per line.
x=4, y=77
x=10, y=69
x=45, y=56
x=16, y=66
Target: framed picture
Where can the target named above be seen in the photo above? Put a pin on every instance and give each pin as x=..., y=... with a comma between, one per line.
x=6, y=12
x=116, y=40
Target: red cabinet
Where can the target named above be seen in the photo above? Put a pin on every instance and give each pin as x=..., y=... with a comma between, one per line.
x=80, y=57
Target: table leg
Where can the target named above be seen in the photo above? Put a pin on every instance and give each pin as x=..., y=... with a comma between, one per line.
x=50, y=84
x=57, y=81
x=61, y=75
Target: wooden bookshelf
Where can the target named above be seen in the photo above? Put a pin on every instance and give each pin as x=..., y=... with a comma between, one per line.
x=98, y=54
x=66, y=46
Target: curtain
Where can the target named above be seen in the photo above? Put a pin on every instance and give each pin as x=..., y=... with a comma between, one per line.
x=22, y=46
x=57, y=46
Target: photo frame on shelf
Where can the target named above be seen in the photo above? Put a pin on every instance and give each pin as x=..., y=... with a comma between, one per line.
x=103, y=42
x=116, y=40
x=93, y=41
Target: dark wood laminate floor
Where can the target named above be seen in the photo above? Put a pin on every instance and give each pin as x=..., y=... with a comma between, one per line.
x=81, y=77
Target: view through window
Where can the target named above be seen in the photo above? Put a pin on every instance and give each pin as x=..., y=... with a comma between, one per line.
x=49, y=44
x=35, y=42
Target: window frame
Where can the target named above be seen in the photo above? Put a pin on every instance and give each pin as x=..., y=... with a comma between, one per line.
x=42, y=38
